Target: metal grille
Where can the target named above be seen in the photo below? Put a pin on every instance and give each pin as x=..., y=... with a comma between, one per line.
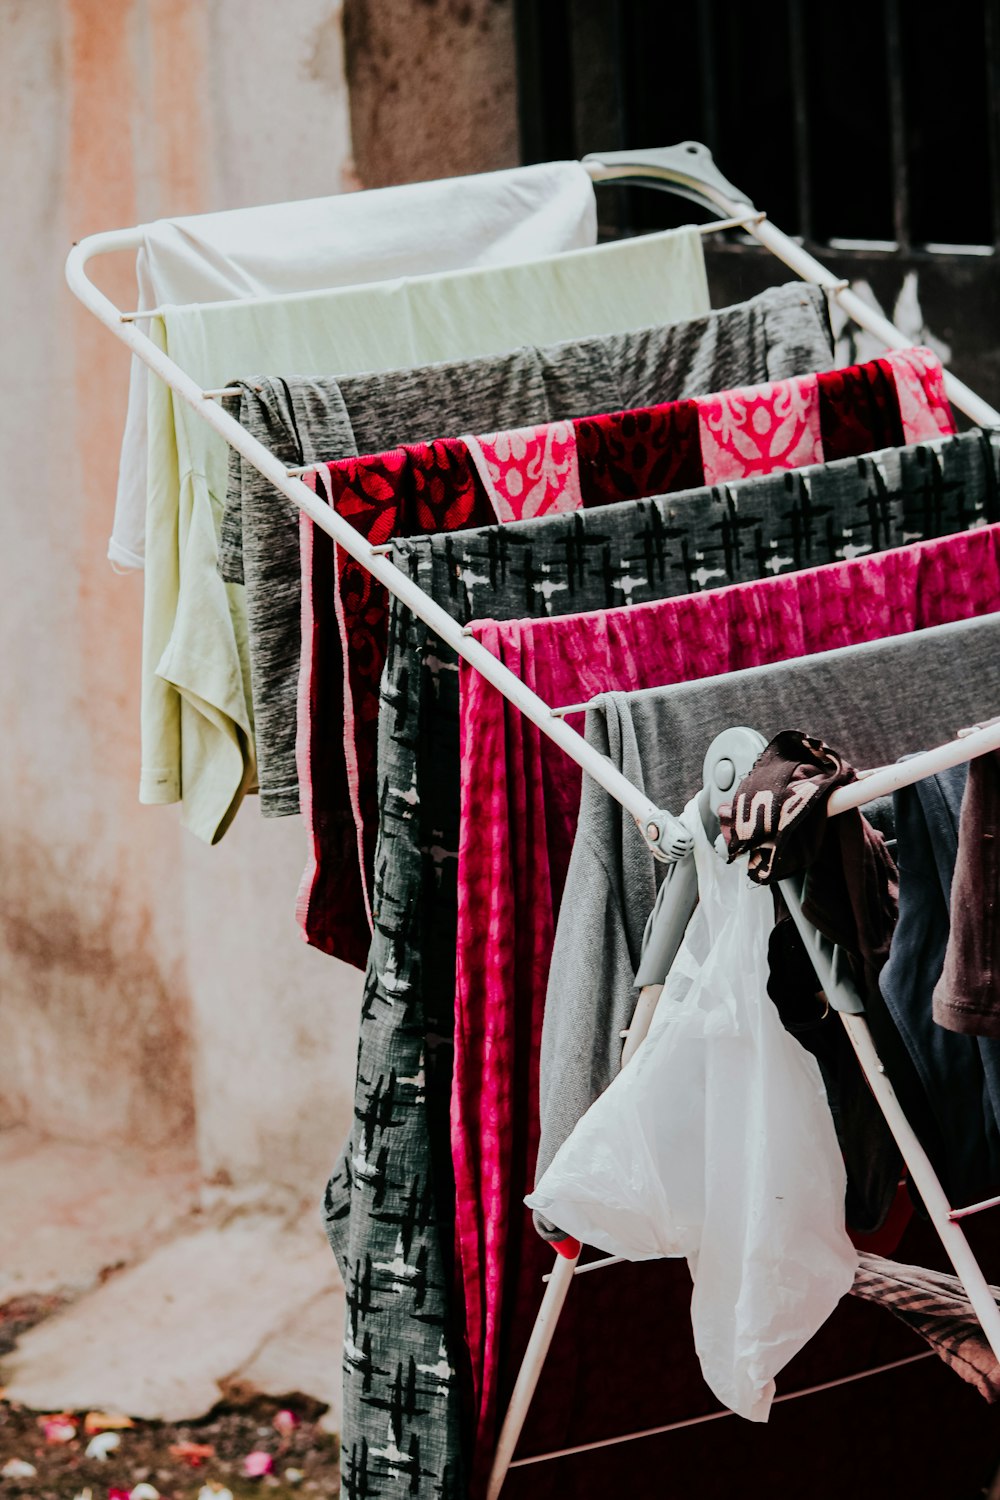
x=867, y=127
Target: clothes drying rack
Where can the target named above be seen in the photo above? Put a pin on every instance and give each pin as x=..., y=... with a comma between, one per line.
x=688, y=171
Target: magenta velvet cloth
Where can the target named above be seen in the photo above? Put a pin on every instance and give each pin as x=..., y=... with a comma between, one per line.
x=519, y=800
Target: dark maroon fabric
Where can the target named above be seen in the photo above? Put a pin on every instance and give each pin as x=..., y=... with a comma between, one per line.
x=859, y=410
x=623, y=1360
x=332, y=910
x=628, y=455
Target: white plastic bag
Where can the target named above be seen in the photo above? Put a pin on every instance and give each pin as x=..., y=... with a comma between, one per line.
x=716, y=1142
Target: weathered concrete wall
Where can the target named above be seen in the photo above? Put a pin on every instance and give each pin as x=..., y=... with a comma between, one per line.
x=153, y=991
x=432, y=87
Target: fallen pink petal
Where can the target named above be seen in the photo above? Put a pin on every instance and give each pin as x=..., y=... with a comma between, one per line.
x=257, y=1463
x=58, y=1430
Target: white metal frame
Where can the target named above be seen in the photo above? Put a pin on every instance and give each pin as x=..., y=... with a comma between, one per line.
x=647, y=816
x=659, y=828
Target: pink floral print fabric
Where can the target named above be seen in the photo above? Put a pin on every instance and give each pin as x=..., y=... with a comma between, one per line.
x=760, y=428
x=757, y=429
x=529, y=472
x=923, y=405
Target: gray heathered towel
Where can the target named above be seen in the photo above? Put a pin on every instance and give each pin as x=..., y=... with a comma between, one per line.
x=784, y=331
x=874, y=702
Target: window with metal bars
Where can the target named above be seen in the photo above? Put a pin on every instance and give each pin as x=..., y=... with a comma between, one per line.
x=872, y=126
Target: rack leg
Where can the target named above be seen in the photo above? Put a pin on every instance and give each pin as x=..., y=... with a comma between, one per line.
x=556, y=1290
x=927, y=1183
x=531, y=1368
x=642, y=1016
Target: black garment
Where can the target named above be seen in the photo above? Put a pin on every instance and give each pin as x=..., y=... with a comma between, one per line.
x=967, y=996
x=778, y=817
x=949, y=1085
x=871, y=1156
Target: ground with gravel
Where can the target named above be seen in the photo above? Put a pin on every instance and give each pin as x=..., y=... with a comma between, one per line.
x=166, y=1457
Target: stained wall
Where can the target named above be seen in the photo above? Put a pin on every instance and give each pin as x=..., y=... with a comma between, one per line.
x=152, y=991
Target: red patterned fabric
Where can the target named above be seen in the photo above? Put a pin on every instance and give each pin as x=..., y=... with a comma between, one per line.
x=631, y=454
x=861, y=399
x=757, y=429
x=426, y=487
x=520, y=796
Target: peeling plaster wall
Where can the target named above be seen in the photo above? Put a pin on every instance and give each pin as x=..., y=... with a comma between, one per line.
x=433, y=88
x=152, y=991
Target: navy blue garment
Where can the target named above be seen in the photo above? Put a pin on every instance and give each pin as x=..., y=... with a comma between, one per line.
x=951, y=1090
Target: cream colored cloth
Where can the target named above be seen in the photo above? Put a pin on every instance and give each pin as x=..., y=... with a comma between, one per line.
x=494, y=218
x=197, y=714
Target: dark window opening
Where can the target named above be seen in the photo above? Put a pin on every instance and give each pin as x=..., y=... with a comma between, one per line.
x=875, y=123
